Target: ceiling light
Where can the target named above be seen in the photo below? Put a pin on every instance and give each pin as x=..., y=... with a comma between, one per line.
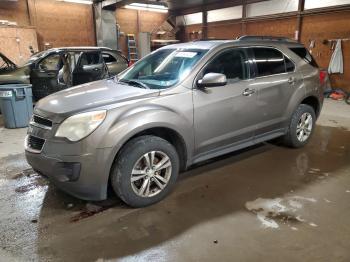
x=148, y=7
x=87, y=2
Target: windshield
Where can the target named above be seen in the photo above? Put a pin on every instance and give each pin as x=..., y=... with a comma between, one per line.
x=162, y=69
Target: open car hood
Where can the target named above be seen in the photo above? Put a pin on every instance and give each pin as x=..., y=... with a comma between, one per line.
x=6, y=64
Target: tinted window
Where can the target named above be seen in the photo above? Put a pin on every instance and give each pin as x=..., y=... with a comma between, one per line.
x=109, y=58
x=305, y=55
x=289, y=65
x=232, y=63
x=90, y=58
x=51, y=63
x=269, y=61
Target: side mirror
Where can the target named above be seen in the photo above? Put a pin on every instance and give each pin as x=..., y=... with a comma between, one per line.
x=212, y=80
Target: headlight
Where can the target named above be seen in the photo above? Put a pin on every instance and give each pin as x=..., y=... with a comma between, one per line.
x=79, y=126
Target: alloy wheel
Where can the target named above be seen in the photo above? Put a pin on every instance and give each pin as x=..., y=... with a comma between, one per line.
x=151, y=174
x=304, y=127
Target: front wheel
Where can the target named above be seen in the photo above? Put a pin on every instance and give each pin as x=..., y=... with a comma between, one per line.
x=301, y=127
x=145, y=171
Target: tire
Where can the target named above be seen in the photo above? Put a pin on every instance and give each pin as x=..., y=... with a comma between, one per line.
x=291, y=139
x=131, y=171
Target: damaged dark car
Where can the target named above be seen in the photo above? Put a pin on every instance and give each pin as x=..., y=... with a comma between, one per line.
x=60, y=68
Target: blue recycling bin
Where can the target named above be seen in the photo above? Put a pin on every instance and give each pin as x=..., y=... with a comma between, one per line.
x=16, y=104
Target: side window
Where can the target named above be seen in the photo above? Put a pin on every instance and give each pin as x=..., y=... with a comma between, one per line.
x=90, y=58
x=269, y=61
x=290, y=67
x=232, y=63
x=51, y=63
x=108, y=58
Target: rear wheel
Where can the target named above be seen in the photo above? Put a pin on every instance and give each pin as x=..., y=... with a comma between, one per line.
x=145, y=171
x=301, y=127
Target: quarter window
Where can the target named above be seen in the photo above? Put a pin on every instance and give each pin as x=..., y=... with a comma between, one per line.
x=232, y=63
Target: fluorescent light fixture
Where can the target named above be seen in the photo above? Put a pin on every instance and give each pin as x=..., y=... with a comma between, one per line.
x=87, y=2
x=148, y=7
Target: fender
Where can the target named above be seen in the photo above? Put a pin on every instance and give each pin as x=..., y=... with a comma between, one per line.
x=138, y=119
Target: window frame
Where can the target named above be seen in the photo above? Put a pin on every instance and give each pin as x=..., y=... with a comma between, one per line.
x=101, y=61
x=112, y=55
x=218, y=53
x=37, y=64
x=255, y=66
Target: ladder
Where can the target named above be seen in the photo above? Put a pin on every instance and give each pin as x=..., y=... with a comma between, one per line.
x=132, y=48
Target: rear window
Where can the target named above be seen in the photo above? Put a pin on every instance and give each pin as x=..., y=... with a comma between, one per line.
x=305, y=55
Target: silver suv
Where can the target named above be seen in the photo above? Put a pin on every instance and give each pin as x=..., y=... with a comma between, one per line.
x=180, y=105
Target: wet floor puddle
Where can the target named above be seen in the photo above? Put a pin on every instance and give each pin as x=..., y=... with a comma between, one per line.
x=273, y=212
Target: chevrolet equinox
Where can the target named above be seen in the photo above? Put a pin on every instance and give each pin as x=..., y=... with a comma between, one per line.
x=180, y=105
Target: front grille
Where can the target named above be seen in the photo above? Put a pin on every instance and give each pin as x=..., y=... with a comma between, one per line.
x=35, y=143
x=42, y=121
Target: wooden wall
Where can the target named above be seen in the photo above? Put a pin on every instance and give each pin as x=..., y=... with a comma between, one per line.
x=329, y=26
x=63, y=24
x=57, y=23
x=15, y=11
x=15, y=42
x=316, y=27
x=133, y=22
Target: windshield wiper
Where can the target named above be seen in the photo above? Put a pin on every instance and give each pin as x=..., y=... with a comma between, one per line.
x=134, y=83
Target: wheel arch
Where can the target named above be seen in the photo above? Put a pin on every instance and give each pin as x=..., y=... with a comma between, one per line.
x=313, y=102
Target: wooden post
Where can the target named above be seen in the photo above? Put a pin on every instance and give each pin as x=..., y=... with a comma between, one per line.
x=299, y=20
x=244, y=16
x=205, y=24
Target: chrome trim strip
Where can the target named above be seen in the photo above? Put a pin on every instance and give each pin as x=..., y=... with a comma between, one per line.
x=31, y=150
x=39, y=125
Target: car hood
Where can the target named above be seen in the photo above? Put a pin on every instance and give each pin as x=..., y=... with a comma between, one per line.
x=88, y=96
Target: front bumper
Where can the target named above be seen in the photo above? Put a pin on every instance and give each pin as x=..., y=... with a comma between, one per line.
x=84, y=176
x=79, y=169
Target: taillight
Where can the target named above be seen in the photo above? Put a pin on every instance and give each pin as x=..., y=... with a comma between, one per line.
x=323, y=75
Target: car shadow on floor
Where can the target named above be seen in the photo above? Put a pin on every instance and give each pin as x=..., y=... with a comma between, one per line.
x=208, y=191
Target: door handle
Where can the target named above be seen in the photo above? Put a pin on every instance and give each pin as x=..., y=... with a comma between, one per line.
x=97, y=69
x=291, y=80
x=248, y=92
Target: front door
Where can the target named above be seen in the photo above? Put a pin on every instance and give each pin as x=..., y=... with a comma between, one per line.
x=225, y=116
x=44, y=75
x=90, y=67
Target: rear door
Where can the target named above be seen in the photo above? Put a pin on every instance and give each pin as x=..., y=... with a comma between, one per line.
x=90, y=67
x=275, y=81
x=44, y=75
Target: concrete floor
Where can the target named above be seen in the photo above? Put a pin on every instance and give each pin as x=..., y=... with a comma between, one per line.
x=266, y=203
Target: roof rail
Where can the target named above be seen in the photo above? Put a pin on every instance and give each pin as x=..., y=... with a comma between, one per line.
x=265, y=38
